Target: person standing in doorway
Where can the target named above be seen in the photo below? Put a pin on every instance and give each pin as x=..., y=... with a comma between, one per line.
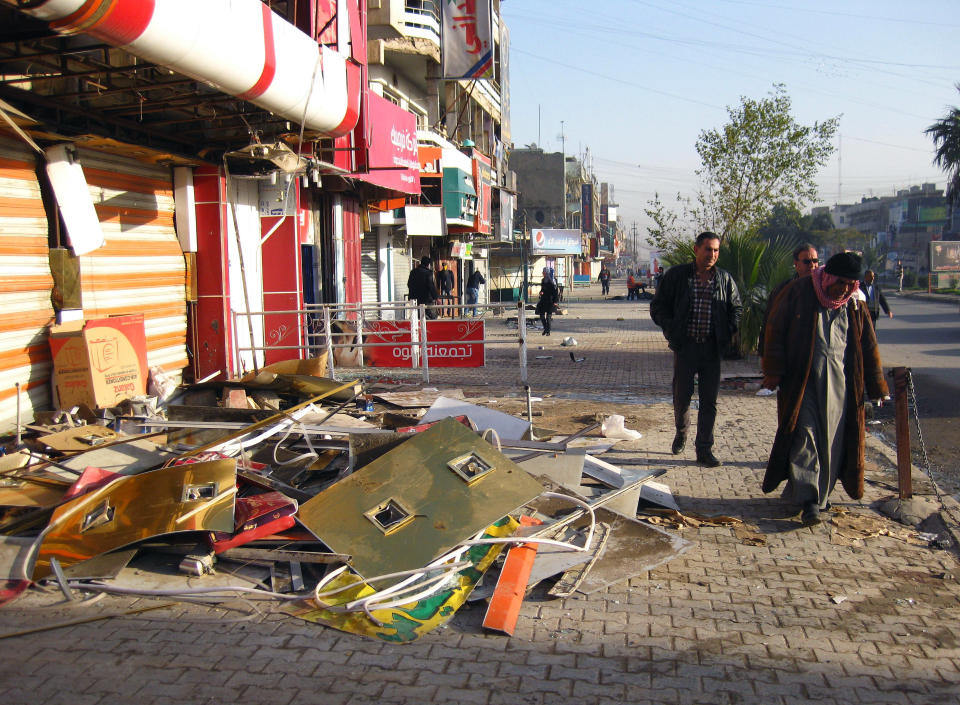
x=422, y=288
x=445, y=277
x=875, y=298
x=472, y=290
x=548, y=299
x=821, y=353
x=697, y=306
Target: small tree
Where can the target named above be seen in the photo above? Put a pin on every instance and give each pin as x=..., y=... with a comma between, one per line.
x=762, y=156
x=664, y=231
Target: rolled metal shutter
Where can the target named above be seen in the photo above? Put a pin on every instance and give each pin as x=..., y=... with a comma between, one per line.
x=25, y=287
x=369, y=269
x=141, y=268
x=400, y=259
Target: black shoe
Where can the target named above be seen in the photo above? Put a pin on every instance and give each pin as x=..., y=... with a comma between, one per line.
x=708, y=459
x=810, y=514
x=679, y=441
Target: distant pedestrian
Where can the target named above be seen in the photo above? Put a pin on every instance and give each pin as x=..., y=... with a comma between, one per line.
x=549, y=298
x=899, y=276
x=822, y=354
x=874, y=296
x=698, y=307
x=631, y=286
x=472, y=290
x=422, y=288
x=604, y=280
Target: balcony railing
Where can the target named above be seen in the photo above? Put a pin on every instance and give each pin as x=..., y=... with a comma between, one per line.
x=422, y=18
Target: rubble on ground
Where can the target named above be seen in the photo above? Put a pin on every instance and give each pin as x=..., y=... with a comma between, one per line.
x=374, y=511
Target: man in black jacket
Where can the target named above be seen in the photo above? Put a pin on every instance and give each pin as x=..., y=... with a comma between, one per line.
x=875, y=298
x=421, y=286
x=698, y=307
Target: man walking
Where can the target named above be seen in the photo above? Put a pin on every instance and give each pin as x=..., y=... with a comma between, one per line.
x=698, y=307
x=604, y=280
x=472, y=290
x=822, y=354
x=422, y=288
x=875, y=298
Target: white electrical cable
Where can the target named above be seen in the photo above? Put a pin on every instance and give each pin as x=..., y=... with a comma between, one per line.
x=120, y=590
x=496, y=437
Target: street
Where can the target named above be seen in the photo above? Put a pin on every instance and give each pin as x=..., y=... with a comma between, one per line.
x=925, y=337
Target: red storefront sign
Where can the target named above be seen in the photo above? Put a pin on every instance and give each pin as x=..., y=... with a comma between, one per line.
x=394, y=151
x=452, y=343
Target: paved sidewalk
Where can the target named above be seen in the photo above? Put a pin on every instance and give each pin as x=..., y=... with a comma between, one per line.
x=797, y=619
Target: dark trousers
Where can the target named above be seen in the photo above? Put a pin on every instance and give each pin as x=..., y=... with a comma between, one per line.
x=545, y=317
x=703, y=361
x=605, y=287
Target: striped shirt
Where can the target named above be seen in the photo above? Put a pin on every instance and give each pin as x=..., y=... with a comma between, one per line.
x=700, y=322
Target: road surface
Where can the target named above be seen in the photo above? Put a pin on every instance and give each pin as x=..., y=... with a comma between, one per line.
x=925, y=336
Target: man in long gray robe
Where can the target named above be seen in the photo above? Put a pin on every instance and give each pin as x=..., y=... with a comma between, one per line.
x=821, y=352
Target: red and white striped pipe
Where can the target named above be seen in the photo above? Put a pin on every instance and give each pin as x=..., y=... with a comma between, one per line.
x=240, y=47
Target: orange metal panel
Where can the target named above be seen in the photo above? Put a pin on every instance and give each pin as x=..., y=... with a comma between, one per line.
x=504, y=608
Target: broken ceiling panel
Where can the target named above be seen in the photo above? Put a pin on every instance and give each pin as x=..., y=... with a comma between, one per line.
x=506, y=426
x=418, y=501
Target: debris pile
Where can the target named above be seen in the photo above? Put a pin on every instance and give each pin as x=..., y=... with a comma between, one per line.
x=377, y=513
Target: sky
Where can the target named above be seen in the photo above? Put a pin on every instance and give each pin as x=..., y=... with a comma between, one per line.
x=630, y=84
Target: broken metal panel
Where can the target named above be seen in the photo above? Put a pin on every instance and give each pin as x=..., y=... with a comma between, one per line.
x=566, y=469
x=404, y=623
x=507, y=427
x=575, y=575
x=124, y=458
x=434, y=507
x=79, y=439
x=417, y=399
x=632, y=548
x=194, y=497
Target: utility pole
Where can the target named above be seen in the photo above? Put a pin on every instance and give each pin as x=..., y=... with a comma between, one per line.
x=563, y=171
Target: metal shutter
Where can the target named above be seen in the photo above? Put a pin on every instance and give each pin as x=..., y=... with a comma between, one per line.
x=25, y=287
x=369, y=269
x=141, y=268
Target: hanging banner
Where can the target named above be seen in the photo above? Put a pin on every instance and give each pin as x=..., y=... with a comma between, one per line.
x=586, y=208
x=466, y=40
x=505, y=226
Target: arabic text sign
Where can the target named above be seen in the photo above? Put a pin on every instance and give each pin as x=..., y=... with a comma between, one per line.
x=458, y=344
x=467, y=39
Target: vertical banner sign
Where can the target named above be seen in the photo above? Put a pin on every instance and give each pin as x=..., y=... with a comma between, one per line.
x=466, y=41
x=505, y=231
x=504, y=77
x=586, y=208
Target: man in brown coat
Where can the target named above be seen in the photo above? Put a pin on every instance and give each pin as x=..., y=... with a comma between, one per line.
x=821, y=351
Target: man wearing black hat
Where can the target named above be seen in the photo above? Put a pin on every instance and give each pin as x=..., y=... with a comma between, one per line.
x=821, y=351
x=421, y=286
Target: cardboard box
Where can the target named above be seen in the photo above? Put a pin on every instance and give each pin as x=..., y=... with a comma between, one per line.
x=99, y=362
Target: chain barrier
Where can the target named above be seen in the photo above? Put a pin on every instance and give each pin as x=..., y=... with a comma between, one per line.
x=912, y=398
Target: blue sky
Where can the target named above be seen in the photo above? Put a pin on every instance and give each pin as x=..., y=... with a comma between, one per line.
x=635, y=81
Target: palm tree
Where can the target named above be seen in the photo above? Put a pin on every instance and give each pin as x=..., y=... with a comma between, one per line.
x=945, y=134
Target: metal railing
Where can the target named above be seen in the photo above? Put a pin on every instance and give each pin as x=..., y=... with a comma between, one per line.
x=333, y=327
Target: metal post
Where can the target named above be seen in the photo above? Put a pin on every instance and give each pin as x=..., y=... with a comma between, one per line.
x=522, y=332
x=424, y=361
x=905, y=480
x=529, y=404
x=360, y=322
x=19, y=427
x=329, y=340
x=413, y=313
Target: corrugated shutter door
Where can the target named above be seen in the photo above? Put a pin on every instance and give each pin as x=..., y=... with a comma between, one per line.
x=25, y=287
x=401, y=267
x=141, y=268
x=369, y=270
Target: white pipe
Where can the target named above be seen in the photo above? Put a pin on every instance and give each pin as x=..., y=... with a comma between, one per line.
x=240, y=47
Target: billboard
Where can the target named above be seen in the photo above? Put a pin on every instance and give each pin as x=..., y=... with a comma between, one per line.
x=945, y=256
x=586, y=208
x=394, y=152
x=555, y=242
